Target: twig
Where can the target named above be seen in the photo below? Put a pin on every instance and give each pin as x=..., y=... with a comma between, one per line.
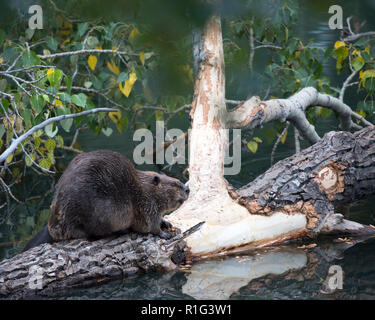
x=278, y=141
x=346, y=84
x=296, y=140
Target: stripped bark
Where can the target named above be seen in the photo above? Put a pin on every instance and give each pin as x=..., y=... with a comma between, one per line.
x=339, y=169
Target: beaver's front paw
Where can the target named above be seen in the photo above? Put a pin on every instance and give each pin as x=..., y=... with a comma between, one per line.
x=165, y=235
x=164, y=224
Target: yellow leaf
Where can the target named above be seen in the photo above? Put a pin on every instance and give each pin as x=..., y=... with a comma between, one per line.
x=49, y=71
x=363, y=75
x=92, y=61
x=367, y=49
x=1, y=60
x=283, y=138
x=134, y=32
x=9, y=159
x=46, y=52
x=57, y=103
x=132, y=78
x=112, y=66
x=356, y=52
x=339, y=44
x=367, y=74
x=115, y=116
x=362, y=113
x=114, y=48
x=253, y=146
x=142, y=57
x=125, y=89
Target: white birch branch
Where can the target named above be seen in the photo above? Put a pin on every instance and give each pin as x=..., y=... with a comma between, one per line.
x=254, y=112
x=45, y=123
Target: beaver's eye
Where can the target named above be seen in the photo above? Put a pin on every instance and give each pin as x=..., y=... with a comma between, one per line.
x=156, y=180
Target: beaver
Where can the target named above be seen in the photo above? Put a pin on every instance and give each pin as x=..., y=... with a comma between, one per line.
x=101, y=193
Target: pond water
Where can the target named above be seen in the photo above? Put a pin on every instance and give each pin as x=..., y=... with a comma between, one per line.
x=291, y=271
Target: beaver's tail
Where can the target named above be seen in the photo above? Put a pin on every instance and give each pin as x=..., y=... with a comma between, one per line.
x=43, y=236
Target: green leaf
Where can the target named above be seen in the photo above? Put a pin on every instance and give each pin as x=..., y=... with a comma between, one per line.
x=50, y=131
x=60, y=141
x=370, y=84
x=45, y=163
x=3, y=84
x=5, y=104
x=50, y=145
x=66, y=124
x=358, y=63
x=122, y=77
x=253, y=146
x=54, y=77
x=29, y=163
x=64, y=97
x=37, y=103
x=26, y=115
x=82, y=27
x=92, y=42
x=2, y=130
x=68, y=82
x=79, y=99
x=30, y=58
x=52, y=43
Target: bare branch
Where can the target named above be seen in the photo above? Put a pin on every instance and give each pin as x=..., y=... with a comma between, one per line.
x=23, y=137
x=354, y=37
x=254, y=112
x=86, y=51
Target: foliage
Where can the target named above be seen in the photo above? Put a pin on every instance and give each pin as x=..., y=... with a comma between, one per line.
x=136, y=56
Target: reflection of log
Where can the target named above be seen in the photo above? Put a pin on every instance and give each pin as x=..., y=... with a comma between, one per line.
x=46, y=269
x=273, y=272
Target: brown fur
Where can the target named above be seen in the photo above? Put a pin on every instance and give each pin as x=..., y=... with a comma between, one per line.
x=101, y=193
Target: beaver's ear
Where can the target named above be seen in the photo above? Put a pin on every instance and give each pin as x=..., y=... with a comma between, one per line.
x=156, y=180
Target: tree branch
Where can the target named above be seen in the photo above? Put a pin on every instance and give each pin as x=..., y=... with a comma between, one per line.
x=23, y=137
x=254, y=112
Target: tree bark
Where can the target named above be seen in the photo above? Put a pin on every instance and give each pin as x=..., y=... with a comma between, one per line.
x=51, y=268
x=339, y=169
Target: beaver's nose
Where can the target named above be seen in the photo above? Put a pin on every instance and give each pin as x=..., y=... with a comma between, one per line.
x=186, y=188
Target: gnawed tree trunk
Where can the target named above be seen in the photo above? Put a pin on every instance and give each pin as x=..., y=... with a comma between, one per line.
x=293, y=199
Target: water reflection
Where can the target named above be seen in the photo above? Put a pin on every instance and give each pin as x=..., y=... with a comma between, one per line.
x=293, y=271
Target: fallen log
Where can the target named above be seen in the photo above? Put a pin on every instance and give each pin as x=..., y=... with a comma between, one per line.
x=61, y=266
x=295, y=198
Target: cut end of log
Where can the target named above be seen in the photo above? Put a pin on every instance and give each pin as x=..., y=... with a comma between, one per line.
x=336, y=224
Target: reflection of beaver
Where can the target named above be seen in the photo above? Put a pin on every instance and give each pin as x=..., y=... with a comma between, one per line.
x=101, y=193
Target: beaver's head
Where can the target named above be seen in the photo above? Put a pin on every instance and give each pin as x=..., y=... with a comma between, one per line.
x=169, y=193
